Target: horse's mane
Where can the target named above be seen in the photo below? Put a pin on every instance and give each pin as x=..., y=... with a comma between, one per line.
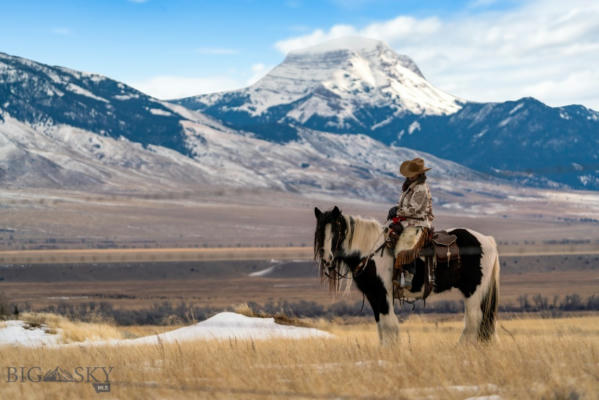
x=366, y=233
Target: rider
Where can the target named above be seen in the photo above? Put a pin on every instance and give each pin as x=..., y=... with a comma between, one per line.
x=414, y=211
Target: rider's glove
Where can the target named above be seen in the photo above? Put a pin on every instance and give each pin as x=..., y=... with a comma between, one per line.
x=392, y=213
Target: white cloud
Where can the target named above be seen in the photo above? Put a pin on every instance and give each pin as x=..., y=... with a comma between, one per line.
x=167, y=87
x=174, y=87
x=543, y=48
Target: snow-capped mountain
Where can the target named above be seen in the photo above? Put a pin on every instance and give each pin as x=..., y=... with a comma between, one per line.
x=345, y=85
x=362, y=86
x=61, y=128
x=523, y=140
x=40, y=94
x=355, y=166
x=69, y=129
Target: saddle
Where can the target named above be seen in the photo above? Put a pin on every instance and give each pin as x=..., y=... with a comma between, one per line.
x=439, y=250
x=445, y=247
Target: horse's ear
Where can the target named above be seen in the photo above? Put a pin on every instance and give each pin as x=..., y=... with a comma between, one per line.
x=336, y=211
x=317, y=212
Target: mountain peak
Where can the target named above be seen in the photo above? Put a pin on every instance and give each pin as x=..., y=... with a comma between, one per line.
x=345, y=84
x=352, y=43
x=344, y=48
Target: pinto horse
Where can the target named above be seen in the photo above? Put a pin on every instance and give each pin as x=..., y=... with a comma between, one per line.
x=345, y=245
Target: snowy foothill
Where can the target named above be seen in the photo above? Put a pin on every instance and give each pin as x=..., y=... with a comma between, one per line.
x=223, y=326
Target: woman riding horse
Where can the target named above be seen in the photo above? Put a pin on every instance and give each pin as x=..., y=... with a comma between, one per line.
x=412, y=218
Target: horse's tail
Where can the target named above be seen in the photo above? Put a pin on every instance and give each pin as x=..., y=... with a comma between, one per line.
x=490, y=302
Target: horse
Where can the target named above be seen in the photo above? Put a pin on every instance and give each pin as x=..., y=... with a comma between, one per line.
x=345, y=245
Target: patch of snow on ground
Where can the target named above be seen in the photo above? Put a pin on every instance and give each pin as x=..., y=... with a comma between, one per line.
x=83, y=92
x=564, y=115
x=19, y=333
x=263, y=272
x=519, y=106
x=504, y=122
x=229, y=325
x=124, y=97
x=414, y=126
x=223, y=326
x=158, y=111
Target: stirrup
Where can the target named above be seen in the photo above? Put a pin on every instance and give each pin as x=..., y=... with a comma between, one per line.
x=404, y=282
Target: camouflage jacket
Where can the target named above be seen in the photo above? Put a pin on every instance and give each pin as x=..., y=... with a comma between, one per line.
x=416, y=204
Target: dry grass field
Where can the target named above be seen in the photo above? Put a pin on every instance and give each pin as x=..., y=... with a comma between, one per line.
x=534, y=359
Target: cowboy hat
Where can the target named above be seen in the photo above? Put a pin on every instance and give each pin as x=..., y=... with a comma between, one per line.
x=412, y=168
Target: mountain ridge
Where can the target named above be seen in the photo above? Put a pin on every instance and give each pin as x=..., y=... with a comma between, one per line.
x=534, y=144
x=68, y=134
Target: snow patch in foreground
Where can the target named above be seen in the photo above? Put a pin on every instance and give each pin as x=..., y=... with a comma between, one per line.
x=223, y=326
x=19, y=333
x=228, y=325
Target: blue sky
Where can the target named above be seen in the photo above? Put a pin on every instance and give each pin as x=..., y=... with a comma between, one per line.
x=477, y=49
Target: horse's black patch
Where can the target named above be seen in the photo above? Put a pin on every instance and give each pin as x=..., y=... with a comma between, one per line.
x=465, y=276
x=469, y=275
x=370, y=284
x=418, y=278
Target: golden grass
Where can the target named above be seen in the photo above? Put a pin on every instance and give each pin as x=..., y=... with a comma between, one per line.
x=75, y=331
x=534, y=359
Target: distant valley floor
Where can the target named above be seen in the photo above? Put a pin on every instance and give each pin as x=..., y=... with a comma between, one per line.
x=221, y=285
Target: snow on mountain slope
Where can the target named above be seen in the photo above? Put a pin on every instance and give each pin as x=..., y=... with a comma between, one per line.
x=353, y=166
x=335, y=81
x=361, y=86
x=68, y=129
x=36, y=93
x=61, y=156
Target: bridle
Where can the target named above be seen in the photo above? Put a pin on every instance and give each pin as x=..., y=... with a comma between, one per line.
x=340, y=234
x=339, y=230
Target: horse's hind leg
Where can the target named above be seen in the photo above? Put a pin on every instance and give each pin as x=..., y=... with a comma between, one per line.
x=473, y=316
x=481, y=308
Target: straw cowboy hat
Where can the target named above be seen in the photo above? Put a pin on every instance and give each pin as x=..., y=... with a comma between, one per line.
x=412, y=168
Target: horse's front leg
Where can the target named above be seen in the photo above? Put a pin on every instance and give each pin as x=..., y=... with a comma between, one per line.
x=388, y=324
x=375, y=281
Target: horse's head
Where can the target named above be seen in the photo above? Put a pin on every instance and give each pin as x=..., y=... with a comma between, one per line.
x=331, y=231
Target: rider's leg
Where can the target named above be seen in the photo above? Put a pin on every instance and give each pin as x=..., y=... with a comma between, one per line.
x=410, y=239
x=407, y=249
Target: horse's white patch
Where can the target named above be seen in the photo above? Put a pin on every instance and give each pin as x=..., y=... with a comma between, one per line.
x=328, y=244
